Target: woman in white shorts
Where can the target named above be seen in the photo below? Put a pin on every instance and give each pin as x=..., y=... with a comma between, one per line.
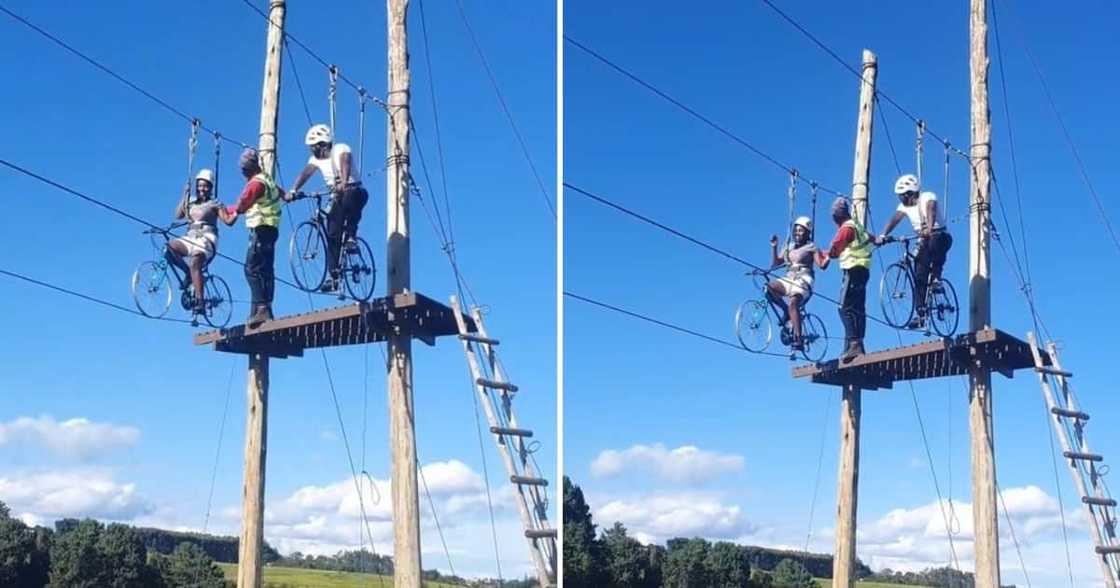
x=200, y=244
x=797, y=284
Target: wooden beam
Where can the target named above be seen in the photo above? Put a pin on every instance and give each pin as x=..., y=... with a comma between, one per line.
x=844, y=559
x=252, y=489
x=402, y=432
x=984, y=507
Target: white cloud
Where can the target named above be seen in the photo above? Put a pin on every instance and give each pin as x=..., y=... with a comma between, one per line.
x=657, y=518
x=323, y=519
x=916, y=538
x=686, y=464
x=74, y=438
x=46, y=496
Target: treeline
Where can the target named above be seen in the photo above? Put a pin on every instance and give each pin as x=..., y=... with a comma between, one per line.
x=614, y=559
x=222, y=549
x=617, y=560
x=941, y=577
x=88, y=553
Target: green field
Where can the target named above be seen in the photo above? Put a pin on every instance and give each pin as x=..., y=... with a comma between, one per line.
x=275, y=577
x=826, y=583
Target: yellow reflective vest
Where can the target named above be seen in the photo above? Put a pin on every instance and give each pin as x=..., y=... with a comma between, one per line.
x=266, y=210
x=858, y=252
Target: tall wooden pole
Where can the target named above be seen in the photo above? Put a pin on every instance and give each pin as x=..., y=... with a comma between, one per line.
x=844, y=559
x=256, y=423
x=402, y=432
x=252, y=490
x=984, y=513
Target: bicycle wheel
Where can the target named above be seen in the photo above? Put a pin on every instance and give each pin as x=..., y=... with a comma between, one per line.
x=307, y=256
x=944, y=311
x=814, y=337
x=218, y=302
x=151, y=289
x=359, y=270
x=753, y=326
x=896, y=295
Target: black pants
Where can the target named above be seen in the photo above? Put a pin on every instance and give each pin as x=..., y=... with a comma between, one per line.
x=342, y=221
x=853, y=299
x=929, y=261
x=259, y=263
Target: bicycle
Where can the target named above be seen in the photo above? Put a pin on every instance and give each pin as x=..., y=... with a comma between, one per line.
x=307, y=255
x=754, y=325
x=151, y=286
x=896, y=295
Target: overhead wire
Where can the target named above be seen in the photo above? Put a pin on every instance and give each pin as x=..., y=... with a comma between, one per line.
x=86, y=297
x=106, y=69
x=697, y=115
x=698, y=242
x=1066, y=134
x=505, y=107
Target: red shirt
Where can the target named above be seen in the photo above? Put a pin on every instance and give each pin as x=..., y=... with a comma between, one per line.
x=253, y=190
x=844, y=236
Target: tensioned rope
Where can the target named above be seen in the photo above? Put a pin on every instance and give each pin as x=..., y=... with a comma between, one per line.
x=698, y=242
x=697, y=115
x=505, y=107
x=86, y=297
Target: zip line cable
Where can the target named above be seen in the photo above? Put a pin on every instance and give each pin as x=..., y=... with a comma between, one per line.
x=299, y=85
x=326, y=64
x=655, y=321
x=1011, y=140
x=435, y=117
x=1066, y=134
x=86, y=297
x=116, y=210
x=702, y=244
x=104, y=68
x=836, y=57
x=505, y=107
x=697, y=115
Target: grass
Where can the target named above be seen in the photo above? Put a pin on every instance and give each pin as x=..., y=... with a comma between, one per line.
x=276, y=577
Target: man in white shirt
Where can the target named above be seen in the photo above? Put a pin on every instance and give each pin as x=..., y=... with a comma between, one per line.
x=333, y=161
x=934, y=242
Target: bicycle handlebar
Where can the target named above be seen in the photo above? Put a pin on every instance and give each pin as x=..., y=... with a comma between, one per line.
x=168, y=229
x=316, y=195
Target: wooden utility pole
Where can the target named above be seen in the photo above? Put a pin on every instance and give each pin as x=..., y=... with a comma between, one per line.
x=844, y=558
x=984, y=513
x=256, y=422
x=402, y=432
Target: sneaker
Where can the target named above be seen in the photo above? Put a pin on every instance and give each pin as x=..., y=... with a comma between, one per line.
x=329, y=285
x=854, y=350
x=797, y=345
x=350, y=246
x=261, y=313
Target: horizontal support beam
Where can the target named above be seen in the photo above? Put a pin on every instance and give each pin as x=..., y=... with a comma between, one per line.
x=937, y=358
x=357, y=323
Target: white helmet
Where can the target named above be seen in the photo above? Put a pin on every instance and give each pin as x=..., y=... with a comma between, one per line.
x=906, y=183
x=318, y=134
x=205, y=174
x=804, y=221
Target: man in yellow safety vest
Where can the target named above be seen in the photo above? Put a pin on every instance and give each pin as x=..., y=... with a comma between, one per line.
x=852, y=245
x=260, y=203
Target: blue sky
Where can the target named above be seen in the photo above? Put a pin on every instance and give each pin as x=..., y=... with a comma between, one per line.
x=117, y=417
x=677, y=436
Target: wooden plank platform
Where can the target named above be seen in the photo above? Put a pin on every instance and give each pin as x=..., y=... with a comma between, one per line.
x=351, y=324
x=938, y=358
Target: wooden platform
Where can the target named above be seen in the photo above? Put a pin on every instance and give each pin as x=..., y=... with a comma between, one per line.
x=930, y=359
x=351, y=324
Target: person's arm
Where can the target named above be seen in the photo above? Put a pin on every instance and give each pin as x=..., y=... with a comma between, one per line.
x=181, y=208
x=931, y=217
x=253, y=190
x=304, y=175
x=822, y=260
x=891, y=224
x=343, y=172
x=775, y=259
x=227, y=216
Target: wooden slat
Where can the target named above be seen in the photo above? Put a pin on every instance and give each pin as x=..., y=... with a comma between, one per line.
x=348, y=324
